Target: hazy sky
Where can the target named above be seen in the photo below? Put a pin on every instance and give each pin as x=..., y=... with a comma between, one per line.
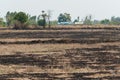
x=100, y=9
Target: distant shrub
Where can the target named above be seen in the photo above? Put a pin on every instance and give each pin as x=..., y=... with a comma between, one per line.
x=105, y=21
x=41, y=22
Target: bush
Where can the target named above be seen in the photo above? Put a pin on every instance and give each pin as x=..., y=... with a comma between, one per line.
x=105, y=21
x=41, y=22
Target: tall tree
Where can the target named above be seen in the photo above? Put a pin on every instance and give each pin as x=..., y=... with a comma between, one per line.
x=44, y=15
x=20, y=18
x=42, y=19
x=88, y=20
x=10, y=18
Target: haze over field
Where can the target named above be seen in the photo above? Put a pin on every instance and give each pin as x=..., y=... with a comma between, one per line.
x=100, y=9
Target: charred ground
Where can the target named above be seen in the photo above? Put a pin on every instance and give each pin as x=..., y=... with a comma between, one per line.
x=61, y=53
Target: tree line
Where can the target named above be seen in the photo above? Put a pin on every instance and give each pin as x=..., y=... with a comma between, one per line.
x=21, y=20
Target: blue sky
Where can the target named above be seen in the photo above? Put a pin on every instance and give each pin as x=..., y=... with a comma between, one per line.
x=100, y=9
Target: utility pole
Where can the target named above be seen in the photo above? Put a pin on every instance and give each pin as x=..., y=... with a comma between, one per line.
x=49, y=17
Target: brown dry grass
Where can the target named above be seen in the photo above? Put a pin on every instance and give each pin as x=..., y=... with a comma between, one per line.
x=48, y=61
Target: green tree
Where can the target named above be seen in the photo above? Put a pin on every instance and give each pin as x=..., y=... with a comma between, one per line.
x=64, y=17
x=20, y=19
x=44, y=15
x=115, y=20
